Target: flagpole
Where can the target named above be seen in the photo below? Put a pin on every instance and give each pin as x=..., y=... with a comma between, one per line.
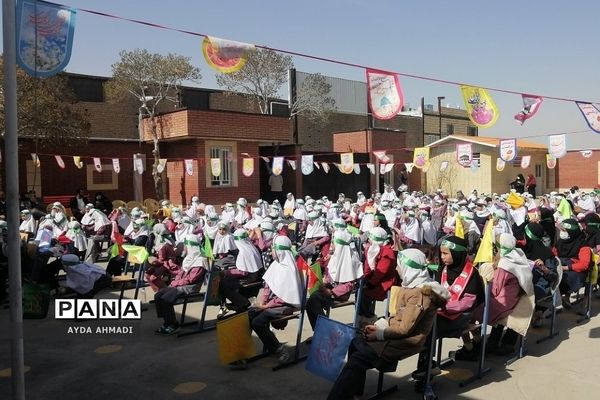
x=12, y=195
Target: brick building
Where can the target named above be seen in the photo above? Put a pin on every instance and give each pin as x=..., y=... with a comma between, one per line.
x=576, y=170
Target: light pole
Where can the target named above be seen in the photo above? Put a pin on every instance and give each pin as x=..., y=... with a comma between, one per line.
x=440, y=98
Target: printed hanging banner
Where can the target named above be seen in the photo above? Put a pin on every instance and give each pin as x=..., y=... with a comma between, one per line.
x=277, y=167
x=557, y=145
x=292, y=164
x=371, y=168
x=225, y=56
x=116, y=165
x=189, y=167
x=508, y=149
x=586, y=153
x=307, y=165
x=480, y=106
x=215, y=166
x=421, y=157
x=409, y=167
x=325, y=167
x=36, y=160
x=97, y=164
x=328, y=348
x=77, y=162
x=44, y=37
x=500, y=164
x=248, y=166
x=60, y=162
x=346, y=163
x=381, y=156
x=384, y=93
x=464, y=154
x=550, y=161
x=525, y=161
x=444, y=165
x=357, y=169
x=162, y=163
x=139, y=165
x=531, y=104
x=591, y=113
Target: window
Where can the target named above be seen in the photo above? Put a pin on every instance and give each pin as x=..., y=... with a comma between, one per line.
x=105, y=180
x=428, y=138
x=538, y=170
x=226, y=152
x=449, y=129
x=471, y=131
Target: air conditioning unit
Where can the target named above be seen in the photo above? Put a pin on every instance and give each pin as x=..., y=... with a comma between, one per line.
x=428, y=107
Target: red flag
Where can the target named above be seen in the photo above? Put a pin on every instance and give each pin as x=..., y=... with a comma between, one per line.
x=117, y=239
x=301, y=264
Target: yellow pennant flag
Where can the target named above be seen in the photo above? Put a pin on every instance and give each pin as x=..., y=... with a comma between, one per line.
x=486, y=247
x=235, y=339
x=421, y=157
x=459, y=229
x=480, y=106
x=514, y=200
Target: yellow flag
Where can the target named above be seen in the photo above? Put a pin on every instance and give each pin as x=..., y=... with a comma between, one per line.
x=421, y=157
x=480, y=106
x=486, y=247
x=514, y=200
x=459, y=229
x=235, y=339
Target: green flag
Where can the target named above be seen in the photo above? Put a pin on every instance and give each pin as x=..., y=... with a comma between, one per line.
x=315, y=277
x=353, y=230
x=208, y=248
x=136, y=254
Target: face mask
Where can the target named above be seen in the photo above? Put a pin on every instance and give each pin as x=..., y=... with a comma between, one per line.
x=564, y=235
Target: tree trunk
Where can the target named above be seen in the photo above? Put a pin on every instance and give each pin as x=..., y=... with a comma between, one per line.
x=156, y=153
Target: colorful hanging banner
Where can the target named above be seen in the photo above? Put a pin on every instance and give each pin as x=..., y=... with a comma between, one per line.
x=215, y=166
x=409, y=167
x=116, y=165
x=77, y=162
x=347, y=163
x=591, y=114
x=421, y=157
x=325, y=167
x=480, y=106
x=189, y=167
x=586, y=153
x=248, y=166
x=371, y=168
x=381, y=156
x=328, y=348
x=464, y=154
x=531, y=104
x=44, y=37
x=60, y=162
x=97, y=164
x=357, y=169
x=292, y=164
x=525, y=161
x=500, y=164
x=307, y=165
x=384, y=93
x=508, y=149
x=139, y=165
x=557, y=145
x=444, y=165
x=550, y=161
x=277, y=167
x=162, y=163
x=225, y=56
x=36, y=160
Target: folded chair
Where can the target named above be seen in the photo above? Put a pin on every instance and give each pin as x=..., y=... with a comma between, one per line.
x=553, y=300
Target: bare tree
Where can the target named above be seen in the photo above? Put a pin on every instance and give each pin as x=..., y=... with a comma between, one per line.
x=262, y=77
x=445, y=179
x=313, y=100
x=152, y=79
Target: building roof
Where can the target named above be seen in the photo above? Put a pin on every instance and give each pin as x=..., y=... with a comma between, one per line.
x=488, y=141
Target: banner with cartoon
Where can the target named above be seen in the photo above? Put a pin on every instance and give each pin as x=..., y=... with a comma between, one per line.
x=384, y=94
x=116, y=165
x=189, y=167
x=500, y=164
x=531, y=104
x=591, y=114
x=550, y=161
x=97, y=164
x=421, y=157
x=225, y=56
x=346, y=163
x=248, y=166
x=464, y=154
x=215, y=167
x=480, y=106
x=277, y=167
x=307, y=164
x=525, y=161
x=508, y=149
x=557, y=145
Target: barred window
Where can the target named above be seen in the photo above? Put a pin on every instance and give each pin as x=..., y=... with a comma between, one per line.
x=225, y=153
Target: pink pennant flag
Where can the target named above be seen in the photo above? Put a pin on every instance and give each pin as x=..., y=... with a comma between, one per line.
x=384, y=93
x=531, y=104
x=60, y=162
x=116, y=165
x=97, y=164
x=381, y=156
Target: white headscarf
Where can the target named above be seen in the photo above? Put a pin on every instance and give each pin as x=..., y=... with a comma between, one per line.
x=502, y=225
x=248, y=258
x=367, y=222
x=377, y=237
x=267, y=229
x=411, y=228
x=183, y=229
x=223, y=243
x=28, y=224
x=317, y=229
x=360, y=198
x=300, y=212
x=412, y=268
x=283, y=277
x=161, y=237
x=344, y=265
x=76, y=235
x=141, y=231
x=515, y=261
x=290, y=202
x=194, y=256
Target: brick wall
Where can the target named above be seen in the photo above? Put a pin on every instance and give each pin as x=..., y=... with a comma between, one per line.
x=574, y=170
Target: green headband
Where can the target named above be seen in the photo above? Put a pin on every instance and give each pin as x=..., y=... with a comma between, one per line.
x=454, y=246
x=340, y=225
x=341, y=242
x=466, y=218
x=530, y=234
x=281, y=247
x=380, y=217
x=593, y=223
x=241, y=237
x=569, y=226
x=505, y=250
x=377, y=238
x=190, y=243
x=411, y=263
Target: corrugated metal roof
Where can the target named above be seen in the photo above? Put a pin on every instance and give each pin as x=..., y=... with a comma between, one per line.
x=350, y=96
x=488, y=141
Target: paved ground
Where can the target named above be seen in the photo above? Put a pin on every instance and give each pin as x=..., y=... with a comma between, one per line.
x=145, y=366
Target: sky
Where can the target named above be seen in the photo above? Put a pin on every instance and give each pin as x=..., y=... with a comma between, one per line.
x=538, y=47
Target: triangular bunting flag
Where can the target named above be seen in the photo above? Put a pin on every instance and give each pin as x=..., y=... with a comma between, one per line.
x=292, y=164
x=325, y=167
x=409, y=167
x=388, y=167
x=162, y=163
x=265, y=159
x=371, y=168
x=60, y=162
x=97, y=164
x=591, y=114
x=531, y=104
x=357, y=169
x=381, y=156
x=116, y=165
x=77, y=162
x=317, y=165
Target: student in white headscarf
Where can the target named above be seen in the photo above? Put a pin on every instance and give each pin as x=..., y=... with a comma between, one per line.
x=316, y=236
x=212, y=225
x=187, y=280
x=121, y=216
x=164, y=266
x=77, y=237
x=360, y=199
x=429, y=230
x=138, y=235
x=411, y=229
x=28, y=223
x=388, y=194
x=289, y=205
x=241, y=215
x=59, y=217
x=472, y=232
x=183, y=229
x=248, y=263
x=343, y=269
x=282, y=294
x=255, y=221
x=192, y=210
x=398, y=337
x=501, y=224
x=98, y=227
x=224, y=244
